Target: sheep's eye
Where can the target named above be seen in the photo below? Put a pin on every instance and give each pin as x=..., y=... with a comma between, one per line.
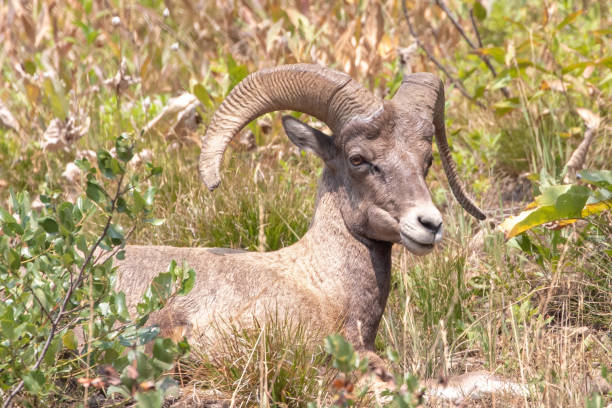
x=357, y=160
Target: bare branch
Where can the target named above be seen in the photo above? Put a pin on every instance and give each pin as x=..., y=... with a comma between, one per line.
x=433, y=59
x=475, y=27
x=483, y=57
x=453, y=20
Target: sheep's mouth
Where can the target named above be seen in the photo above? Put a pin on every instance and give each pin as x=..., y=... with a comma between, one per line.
x=416, y=247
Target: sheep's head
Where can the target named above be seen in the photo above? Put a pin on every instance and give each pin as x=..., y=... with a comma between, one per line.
x=378, y=155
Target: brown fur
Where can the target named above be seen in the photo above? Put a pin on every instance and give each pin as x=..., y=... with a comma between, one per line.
x=340, y=271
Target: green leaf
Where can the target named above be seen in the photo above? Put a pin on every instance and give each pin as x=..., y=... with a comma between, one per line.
x=202, y=94
x=89, y=32
x=65, y=214
x=122, y=206
x=124, y=148
x=153, y=170
x=13, y=259
x=392, y=355
x=83, y=164
x=497, y=53
x=94, y=192
x=11, y=226
x=342, y=352
x=29, y=66
x=120, y=306
x=116, y=234
x=52, y=351
x=600, y=178
x=155, y=221
x=147, y=334
x=144, y=366
x=505, y=106
x=69, y=340
x=138, y=337
x=34, y=381
x=595, y=401
x=139, y=202
x=169, y=386
x=164, y=353
x=187, y=283
x=236, y=72
x=569, y=19
x=581, y=66
x=113, y=389
x=49, y=225
x=161, y=287
x=8, y=329
x=479, y=11
x=150, y=195
x=81, y=243
x=150, y=399
x=554, y=204
x=108, y=165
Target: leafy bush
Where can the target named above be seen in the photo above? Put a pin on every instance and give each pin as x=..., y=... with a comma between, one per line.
x=60, y=316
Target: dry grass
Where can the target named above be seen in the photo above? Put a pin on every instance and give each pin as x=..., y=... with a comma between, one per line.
x=450, y=314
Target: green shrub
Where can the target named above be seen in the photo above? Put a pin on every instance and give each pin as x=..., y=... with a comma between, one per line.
x=56, y=280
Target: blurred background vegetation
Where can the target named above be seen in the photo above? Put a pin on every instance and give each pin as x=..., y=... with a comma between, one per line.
x=526, y=82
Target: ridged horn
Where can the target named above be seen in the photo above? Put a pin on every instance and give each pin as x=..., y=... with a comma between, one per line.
x=331, y=96
x=423, y=94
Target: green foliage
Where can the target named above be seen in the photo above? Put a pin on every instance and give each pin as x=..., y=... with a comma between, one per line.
x=537, y=65
x=405, y=394
x=344, y=357
x=564, y=204
x=56, y=282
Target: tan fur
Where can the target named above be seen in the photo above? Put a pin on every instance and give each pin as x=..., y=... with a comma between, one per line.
x=338, y=275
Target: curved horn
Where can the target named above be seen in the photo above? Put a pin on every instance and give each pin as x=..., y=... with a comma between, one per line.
x=331, y=96
x=424, y=92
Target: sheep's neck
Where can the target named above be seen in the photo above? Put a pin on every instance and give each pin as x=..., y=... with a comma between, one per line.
x=348, y=268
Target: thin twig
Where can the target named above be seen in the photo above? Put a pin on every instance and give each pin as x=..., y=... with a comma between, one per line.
x=453, y=20
x=55, y=322
x=44, y=309
x=475, y=27
x=118, y=247
x=482, y=56
x=433, y=59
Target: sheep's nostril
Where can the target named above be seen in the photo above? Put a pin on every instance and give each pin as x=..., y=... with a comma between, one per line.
x=430, y=224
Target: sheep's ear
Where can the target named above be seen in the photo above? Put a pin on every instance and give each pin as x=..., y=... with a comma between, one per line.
x=308, y=138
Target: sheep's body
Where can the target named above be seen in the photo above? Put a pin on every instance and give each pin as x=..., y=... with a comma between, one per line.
x=372, y=194
x=315, y=280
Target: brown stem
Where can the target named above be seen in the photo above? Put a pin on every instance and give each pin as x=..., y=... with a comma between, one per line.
x=475, y=27
x=483, y=57
x=433, y=59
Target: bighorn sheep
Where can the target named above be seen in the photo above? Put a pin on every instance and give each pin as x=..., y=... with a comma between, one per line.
x=372, y=194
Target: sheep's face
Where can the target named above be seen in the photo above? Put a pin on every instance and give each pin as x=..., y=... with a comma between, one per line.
x=379, y=167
